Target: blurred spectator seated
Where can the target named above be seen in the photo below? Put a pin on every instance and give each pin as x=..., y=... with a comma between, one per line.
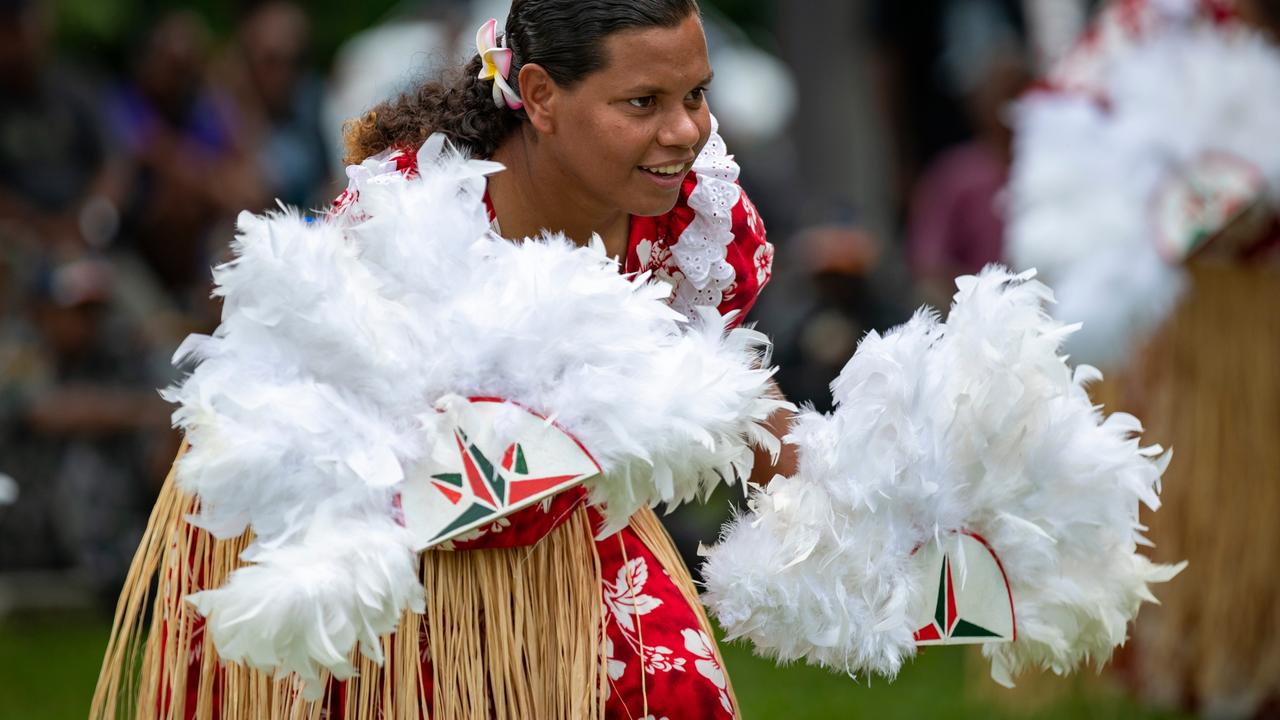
x=279, y=99
x=956, y=224
x=194, y=171
x=824, y=296
x=60, y=184
x=82, y=431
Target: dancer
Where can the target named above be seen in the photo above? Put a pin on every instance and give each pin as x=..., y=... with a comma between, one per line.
x=570, y=608
x=1146, y=185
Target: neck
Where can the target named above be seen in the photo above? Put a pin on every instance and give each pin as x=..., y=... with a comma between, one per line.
x=535, y=193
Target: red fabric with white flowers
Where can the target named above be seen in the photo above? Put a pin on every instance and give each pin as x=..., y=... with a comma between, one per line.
x=750, y=253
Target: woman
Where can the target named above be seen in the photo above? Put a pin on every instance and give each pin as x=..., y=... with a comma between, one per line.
x=597, y=110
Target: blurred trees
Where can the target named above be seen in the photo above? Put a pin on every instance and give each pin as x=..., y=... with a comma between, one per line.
x=105, y=30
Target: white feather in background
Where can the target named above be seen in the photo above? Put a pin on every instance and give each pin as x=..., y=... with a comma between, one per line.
x=1086, y=171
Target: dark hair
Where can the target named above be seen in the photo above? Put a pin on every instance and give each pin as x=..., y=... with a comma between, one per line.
x=1270, y=10
x=566, y=37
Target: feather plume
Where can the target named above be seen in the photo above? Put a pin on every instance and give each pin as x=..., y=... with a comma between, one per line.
x=975, y=423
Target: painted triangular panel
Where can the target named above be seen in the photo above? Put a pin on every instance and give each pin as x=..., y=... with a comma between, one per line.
x=1198, y=200
x=535, y=459
x=968, y=598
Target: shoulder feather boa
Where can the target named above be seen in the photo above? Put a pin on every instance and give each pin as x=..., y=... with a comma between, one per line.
x=1084, y=174
x=339, y=338
x=975, y=423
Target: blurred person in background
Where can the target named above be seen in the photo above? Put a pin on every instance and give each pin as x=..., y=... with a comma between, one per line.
x=824, y=299
x=956, y=224
x=279, y=101
x=924, y=52
x=1210, y=385
x=61, y=183
x=80, y=427
x=194, y=167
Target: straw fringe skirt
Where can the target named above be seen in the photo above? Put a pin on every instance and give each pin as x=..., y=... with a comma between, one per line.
x=517, y=634
x=1209, y=387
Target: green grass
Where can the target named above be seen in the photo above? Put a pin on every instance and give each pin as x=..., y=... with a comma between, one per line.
x=49, y=663
x=936, y=685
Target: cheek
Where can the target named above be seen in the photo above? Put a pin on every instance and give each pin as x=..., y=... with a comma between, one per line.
x=623, y=139
x=704, y=128
x=616, y=145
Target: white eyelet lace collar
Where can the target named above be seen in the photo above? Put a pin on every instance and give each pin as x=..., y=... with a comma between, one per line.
x=702, y=250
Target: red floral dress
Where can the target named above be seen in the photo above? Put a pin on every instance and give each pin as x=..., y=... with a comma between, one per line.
x=661, y=658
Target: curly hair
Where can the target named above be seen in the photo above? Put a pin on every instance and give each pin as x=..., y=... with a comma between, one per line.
x=565, y=37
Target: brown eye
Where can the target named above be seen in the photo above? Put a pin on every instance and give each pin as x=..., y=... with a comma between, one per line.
x=697, y=95
x=642, y=103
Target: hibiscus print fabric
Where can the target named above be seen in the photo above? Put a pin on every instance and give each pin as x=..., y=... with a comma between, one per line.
x=661, y=658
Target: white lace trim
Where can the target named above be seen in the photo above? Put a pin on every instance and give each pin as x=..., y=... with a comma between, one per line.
x=702, y=250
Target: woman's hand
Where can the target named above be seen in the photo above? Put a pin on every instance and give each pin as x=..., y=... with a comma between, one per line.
x=779, y=424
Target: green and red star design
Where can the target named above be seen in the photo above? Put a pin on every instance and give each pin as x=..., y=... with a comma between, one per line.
x=492, y=491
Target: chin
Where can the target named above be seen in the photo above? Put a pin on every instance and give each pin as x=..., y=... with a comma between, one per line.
x=652, y=204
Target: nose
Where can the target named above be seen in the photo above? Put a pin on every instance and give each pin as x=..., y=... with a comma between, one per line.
x=680, y=129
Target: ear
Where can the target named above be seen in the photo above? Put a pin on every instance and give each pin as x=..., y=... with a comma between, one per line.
x=539, y=94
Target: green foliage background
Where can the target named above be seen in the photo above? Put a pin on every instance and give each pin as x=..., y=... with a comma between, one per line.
x=102, y=31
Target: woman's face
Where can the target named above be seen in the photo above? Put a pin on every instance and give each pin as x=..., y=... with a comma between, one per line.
x=628, y=133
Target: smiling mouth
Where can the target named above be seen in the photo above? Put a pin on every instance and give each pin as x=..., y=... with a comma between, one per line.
x=666, y=171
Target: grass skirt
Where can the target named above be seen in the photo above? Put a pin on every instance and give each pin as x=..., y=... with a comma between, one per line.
x=1209, y=387
x=518, y=635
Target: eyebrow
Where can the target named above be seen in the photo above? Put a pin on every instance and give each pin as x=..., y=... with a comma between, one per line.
x=653, y=90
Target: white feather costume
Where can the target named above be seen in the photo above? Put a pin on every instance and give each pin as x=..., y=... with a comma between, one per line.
x=341, y=337
x=977, y=424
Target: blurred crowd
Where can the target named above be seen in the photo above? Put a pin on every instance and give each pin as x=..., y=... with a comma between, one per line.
x=117, y=195
x=119, y=191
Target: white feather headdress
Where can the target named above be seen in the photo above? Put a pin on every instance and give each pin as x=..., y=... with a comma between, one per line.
x=339, y=338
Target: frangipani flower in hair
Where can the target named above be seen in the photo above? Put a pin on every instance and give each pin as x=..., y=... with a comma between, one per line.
x=495, y=65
